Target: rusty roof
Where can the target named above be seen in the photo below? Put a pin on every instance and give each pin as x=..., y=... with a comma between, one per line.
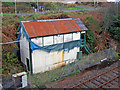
x=51, y=27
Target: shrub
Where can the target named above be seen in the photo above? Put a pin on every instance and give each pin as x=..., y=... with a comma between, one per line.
x=91, y=39
x=49, y=6
x=8, y=4
x=115, y=28
x=10, y=63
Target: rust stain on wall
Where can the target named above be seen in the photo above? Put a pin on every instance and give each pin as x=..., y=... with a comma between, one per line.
x=60, y=62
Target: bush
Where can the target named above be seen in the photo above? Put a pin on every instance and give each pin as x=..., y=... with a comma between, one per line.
x=91, y=39
x=6, y=4
x=10, y=63
x=115, y=28
x=50, y=6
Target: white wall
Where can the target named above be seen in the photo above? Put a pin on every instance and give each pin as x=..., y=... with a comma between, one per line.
x=76, y=36
x=24, y=48
x=48, y=40
x=42, y=61
x=56, y=39
x=37, y=41
x=67, y=37
x=72, y=54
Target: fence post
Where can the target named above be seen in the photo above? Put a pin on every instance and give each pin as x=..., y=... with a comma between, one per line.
x=75, y=65
x=89, y=60
x=14, y=83
x=108, y=56
x=49, y=72
x=30, y=78
x=68, y=67
x=115, y=50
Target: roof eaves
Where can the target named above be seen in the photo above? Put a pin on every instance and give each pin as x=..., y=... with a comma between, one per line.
x=25, y=30
x=81, y=25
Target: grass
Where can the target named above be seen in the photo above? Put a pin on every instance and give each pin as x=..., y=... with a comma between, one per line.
x=75, y=8
x=70, y=8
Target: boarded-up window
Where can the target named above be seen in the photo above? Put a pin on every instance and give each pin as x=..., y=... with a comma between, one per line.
x=76, y=36
x=37, y=41
x=67, y=37
x=48, y=40
x=58, y=39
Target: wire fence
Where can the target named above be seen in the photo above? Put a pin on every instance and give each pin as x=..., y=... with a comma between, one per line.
x=72, y=66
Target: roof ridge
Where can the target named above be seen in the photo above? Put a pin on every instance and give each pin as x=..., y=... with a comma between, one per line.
x=48, y=20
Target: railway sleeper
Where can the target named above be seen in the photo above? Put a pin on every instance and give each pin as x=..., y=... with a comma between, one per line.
x=111, y=74
x=100, y=82
x=103, y=79
x=100, y=79
x=96, y=84
x=107, y=76
x=116, y=72
x=109, y=84
x=106, y=81
x=91, y=85
x=114, y=84
x=83, y=86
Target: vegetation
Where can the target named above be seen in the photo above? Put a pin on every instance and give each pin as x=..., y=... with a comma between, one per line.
x=21, y=7
x=10, y=63
x=50, y=6
x=91, y=40
x=109, y=13
x=8, y=8
x=69, y=7
x=111, y=21
x=90, y=35
x=114, y=29
x=7, y=4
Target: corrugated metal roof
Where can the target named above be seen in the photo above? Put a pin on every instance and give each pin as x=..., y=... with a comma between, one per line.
x=44, y=28
x=81, y=25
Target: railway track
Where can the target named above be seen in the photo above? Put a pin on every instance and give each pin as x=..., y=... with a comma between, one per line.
x=106, y=79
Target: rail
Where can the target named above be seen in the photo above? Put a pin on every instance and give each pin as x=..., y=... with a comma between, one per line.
x=102, y=74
